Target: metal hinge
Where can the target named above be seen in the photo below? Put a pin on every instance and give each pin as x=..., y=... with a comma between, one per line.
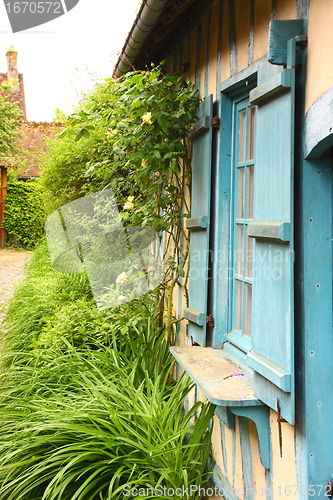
x=210, y=320
x=216, y=122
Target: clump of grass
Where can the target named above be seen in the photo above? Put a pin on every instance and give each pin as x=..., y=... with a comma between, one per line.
x=41, y=294
x=88, y=434
x=89, y=408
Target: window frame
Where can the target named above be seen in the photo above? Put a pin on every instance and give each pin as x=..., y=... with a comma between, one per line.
x=233, y=91
x=238, y=336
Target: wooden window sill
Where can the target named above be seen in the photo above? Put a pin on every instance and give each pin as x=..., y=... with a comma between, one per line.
x=211, y=369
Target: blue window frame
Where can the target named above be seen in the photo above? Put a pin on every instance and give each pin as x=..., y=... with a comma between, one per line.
x=242, y=213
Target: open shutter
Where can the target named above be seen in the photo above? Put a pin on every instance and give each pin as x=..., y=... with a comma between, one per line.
x=198, y=224
x=272, y=356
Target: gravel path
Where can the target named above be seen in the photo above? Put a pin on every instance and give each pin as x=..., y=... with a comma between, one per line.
x=11, y=273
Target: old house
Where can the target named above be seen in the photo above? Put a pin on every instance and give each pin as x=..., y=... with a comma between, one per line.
x=260, y=297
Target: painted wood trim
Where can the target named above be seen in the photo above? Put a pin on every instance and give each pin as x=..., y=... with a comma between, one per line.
x=225, y=416
x=314, y=374
x=236, y=82
x=280, y=83
x=269, y=230
x=197, y=223
x=194, y=316
x=269, y=370
x=211, y=371
x=319, y=126
x=280, y=32
x=200, y=127
x=260, y=417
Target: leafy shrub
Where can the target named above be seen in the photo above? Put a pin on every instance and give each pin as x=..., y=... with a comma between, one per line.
x=24, y=216
x=42, y=293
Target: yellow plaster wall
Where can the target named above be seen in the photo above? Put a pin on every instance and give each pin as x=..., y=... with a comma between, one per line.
x=213, y=48
x=287, y=10
x=320, y=42
x=228, y=440
x=258, y=470
x=193, y=48
x=225, y=58
x=203, y=55
x=284, y=468
x=263, y=10
x=238, y=482
x=217, y=444
x=242, y=9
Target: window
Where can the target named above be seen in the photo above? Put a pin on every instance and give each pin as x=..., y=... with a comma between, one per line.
x=248, y=284
x=242, y=211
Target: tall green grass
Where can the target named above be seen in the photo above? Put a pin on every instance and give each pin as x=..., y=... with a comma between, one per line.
x=88, y=408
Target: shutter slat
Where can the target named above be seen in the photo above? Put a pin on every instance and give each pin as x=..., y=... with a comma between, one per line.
x=197, y=223
x=271, y=230
x=271, y=88
x=194, y=316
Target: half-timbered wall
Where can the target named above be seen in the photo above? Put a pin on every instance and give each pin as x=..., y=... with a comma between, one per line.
x=227, y=38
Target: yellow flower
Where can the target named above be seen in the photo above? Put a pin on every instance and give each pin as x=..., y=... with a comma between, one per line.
x=121, y=298
x=121, y=278
x=144, y=163
x=147, y=118
x=129, y=203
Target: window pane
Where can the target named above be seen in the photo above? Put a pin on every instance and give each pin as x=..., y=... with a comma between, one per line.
x=238, y=304
x=249, y=204
x=239, y=249
x=248, y=309
x=249, y=256
x=250, y=151
x=241, y=136
x=240, y=189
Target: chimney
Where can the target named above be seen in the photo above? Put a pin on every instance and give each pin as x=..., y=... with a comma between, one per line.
x=12, y=73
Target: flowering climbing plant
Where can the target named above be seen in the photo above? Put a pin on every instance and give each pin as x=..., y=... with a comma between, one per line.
x=136, y=134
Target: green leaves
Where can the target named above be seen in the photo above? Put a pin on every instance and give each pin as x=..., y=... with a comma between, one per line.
x=10, y=121
x=88, y=408
x=25, y=214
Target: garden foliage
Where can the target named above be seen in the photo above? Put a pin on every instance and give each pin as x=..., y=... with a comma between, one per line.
x=25, y=213
x=10, y=120
x=89, y=408
x=130, y=135
x=88, y=412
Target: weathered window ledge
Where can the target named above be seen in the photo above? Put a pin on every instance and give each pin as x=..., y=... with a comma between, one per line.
x=210, y=369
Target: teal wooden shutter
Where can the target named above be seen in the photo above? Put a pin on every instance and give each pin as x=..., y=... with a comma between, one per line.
x=198, y=224
x=272, y=356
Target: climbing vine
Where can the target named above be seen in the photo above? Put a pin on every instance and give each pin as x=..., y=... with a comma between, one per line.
x=10, y=121
x=131, y=136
